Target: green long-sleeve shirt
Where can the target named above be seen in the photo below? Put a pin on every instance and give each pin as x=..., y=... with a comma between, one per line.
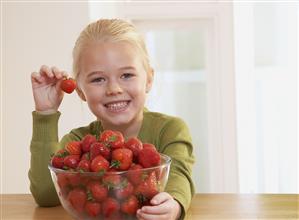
x=169, y=134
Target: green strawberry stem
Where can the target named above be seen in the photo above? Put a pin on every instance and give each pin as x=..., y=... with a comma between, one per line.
x=115, y=163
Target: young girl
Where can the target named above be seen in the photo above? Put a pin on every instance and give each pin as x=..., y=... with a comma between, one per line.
x=113, y=74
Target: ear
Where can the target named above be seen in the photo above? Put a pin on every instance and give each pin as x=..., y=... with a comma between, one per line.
x=150, y=79
x=81, y=94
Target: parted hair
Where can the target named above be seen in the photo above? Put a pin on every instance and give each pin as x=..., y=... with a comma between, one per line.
x=109, y=30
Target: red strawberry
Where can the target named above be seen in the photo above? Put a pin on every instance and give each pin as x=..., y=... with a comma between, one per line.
x=111, y=180
x=85, y=156
x=122, y=158
x=57, y=162
x=116, y=216
x=135, y=174
x=87, y=141
x=62, y=180
x=149, y=157
x=71, y=161
x=123, y=190
x=97, y=191
x=74, y=179
x=98, y=148
x=68, y=85
x=148, y=145
x=74, y=147
x=93, y=209
x=62, y=153
x=114, y=139
x=110, y=206
x=84, y=166
x=149, y=187
x=77, y=197
x=135, y=145
x=112, y=169
x=130, y=205
x=99, y=164
x=63, y=183
x=58, y=158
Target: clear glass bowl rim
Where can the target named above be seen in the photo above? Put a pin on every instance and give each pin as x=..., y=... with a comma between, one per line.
x=164, y=156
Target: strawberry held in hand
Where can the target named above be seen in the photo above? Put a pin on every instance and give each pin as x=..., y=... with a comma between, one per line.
x=68, y=85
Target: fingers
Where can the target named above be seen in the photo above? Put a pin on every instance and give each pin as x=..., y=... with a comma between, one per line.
x=58, y=73
x=164, y=207
x=161, y=204
x=160, y=198
x=35, y=77
x=47, y=72
x=155, y=210
x=145, y=216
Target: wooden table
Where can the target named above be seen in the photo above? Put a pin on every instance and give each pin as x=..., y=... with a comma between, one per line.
x=204, y=206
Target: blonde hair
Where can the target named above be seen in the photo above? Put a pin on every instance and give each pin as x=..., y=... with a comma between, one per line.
x=112, y=30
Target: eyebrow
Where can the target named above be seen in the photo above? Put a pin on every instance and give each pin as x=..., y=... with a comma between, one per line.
x=121, y=68
x=127, y=68
x=93, y=73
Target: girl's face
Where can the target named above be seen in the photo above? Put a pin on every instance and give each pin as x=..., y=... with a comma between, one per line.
x=114, y=82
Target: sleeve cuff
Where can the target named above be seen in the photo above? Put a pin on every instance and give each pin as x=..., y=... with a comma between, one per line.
x=45, y=127
x=183, y=208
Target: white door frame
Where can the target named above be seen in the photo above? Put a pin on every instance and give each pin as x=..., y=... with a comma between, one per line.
x=223, y=157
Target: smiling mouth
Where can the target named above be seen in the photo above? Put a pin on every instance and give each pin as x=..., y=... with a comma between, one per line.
x=117, y=106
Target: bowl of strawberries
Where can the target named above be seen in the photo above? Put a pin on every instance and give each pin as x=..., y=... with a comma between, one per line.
x=106, y=177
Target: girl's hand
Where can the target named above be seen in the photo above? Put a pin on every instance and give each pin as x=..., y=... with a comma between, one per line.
x=46, y=88
x=164, y=207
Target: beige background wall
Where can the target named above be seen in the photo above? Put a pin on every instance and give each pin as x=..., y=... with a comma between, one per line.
x=39, y=33
x=33, y=34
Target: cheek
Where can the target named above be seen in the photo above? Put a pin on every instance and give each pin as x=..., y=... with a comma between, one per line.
x=91, y=94
x=137, y=90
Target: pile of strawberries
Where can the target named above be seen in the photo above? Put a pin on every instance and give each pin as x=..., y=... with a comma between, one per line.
x=96, y=186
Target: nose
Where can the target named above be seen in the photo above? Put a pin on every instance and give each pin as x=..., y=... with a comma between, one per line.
x=113, y=88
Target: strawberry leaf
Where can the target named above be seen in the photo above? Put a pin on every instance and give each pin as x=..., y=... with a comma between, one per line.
x=89, y=196
x=115, y=163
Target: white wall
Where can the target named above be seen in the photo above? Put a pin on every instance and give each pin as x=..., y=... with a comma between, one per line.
x=33, y=34
x=44, y=33
x=266, y=40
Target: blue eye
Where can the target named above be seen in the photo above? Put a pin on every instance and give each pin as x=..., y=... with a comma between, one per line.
x=127, y=75
x=98, y=79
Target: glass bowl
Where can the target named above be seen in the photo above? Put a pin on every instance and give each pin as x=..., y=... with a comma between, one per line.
x=109, y=195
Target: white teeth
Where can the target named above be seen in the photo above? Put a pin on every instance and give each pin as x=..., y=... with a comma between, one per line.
x=117, y=106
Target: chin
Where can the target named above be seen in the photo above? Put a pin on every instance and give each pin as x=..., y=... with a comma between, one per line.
x=118, y=121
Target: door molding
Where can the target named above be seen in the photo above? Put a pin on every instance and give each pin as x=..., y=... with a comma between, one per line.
x=223, y=157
